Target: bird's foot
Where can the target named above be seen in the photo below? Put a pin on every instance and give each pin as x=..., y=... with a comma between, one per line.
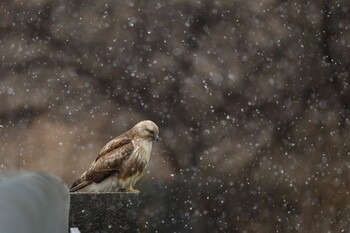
x=131, y=190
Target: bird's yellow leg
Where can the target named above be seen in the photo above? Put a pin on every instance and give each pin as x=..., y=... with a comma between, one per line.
x=131, y=190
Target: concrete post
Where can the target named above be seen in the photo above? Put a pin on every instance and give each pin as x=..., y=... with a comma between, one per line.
x=104, y=212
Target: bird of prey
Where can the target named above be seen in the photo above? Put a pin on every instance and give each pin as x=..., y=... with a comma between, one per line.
x=121, y=162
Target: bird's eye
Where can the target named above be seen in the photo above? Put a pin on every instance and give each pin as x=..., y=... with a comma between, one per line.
x=150, y=131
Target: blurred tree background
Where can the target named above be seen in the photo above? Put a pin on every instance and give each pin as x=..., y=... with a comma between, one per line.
x=251, y=97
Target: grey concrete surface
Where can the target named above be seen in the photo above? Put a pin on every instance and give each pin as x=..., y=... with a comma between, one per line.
x=104, y=212
x=33, y=203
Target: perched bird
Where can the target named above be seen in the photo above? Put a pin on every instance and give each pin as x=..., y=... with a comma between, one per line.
x=121, y=162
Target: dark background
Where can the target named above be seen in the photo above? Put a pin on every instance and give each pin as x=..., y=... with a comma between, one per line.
x=251, y=97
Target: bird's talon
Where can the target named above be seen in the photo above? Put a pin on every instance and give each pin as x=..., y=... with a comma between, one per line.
x=131, y=190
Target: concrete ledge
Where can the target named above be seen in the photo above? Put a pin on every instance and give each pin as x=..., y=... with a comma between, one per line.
x=104, y=212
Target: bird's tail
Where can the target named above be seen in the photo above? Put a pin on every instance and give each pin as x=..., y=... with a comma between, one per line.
x=79, y=184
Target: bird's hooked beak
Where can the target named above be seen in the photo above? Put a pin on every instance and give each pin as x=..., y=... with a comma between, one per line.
x=156, y=137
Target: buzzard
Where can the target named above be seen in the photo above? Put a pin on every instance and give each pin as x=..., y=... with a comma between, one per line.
x=121, y=162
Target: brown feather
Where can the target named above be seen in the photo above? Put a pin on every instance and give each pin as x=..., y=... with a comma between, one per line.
x=76, y=186
x=114, y=144
x=133, y=166
x=111, y=163
x=113, y=154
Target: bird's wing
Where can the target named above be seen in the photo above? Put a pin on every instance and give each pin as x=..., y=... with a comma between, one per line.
x=110, y=159
x=108, y=162
x=114, y=144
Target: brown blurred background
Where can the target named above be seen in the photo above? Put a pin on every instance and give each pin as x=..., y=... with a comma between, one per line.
x=251, y=97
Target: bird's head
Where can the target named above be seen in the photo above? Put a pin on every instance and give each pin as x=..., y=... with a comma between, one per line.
x=147, y=130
